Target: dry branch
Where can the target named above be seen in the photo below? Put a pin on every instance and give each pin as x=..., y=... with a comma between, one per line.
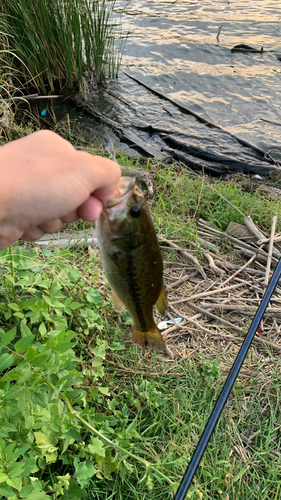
x=182, y=280
x=206, y=294
x=233, y=267
x=213, y=316
x=193, y=259
x=240, y=308
x=258, y=234
x=270, y=249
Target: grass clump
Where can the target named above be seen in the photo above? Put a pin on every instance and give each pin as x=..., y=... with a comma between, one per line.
x=54, y=42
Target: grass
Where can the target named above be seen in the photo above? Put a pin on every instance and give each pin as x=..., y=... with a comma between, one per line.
x=55, y=42
x=150, y=406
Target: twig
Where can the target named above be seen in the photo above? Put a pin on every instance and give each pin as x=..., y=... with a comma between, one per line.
x=258, y=234
x=210, y=259
x=248, y=270
x=270, y=249
x=206, y=294
x=31, y=97
x=212, y=264
x=217, y=335
x=239, y=270
x=276, y=239
x=250, y=253
x=240, y=308
x=182, y=280
x=190, y=320
x=213, y=316
x=195, y=261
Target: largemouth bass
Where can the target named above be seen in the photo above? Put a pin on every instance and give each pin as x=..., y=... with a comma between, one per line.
x=132, y=262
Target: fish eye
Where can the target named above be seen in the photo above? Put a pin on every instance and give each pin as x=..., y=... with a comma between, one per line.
x=135, y=211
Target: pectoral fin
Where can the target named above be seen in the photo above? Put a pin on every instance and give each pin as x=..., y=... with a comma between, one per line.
x=151, y=339
x=119, y=306
x=161, y=303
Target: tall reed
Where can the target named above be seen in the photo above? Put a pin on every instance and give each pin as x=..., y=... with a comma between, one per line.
x=54, y=42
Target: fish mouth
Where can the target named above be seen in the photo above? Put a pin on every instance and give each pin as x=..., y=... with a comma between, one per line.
x=123, y=192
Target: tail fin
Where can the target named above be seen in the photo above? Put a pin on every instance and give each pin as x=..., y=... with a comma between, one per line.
x=151, y=339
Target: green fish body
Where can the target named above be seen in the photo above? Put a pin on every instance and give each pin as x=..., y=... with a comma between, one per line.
x=132, y=262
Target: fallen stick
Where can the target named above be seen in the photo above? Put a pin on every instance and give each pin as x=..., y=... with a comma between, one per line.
x=239, y=270
x=193, y=259
x=207, y=294
x=211, y=261
x=270, y=249
x=190, y=320
x=232, y=267
x=63, y=243
x=258, y=234
x=276, y=239
x=213, y=316
x=239, y=307
x=182, y=280
x=172, y=328
x=250, y=253
x=212, y=264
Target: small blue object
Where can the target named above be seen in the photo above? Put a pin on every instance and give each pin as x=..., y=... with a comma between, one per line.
x=44, y=112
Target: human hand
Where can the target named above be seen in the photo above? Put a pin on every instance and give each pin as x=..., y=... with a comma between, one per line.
x=44, y=183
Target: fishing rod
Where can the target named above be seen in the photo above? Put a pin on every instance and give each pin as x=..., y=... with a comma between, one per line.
x=215, y=415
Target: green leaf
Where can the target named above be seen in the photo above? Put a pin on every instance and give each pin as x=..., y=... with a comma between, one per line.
x=25, y=331
x=6, y=492
x=16, y=483
x=74, y=305
x=75, y=435
x=42, y=329
x=104, y=390
x=97, y=447
x=116, y=346
x=16, y=470
x=14, y=306
x=99, y=351
x=3, y=477
x=6, y=360
x=19, y=315
x=74, y=275
x=10, y=427
x=74, y=492
x=93, y=296
x=38, y=495
x=22, y=344
x=84, y=471
x=9, y=336
x=14, y=392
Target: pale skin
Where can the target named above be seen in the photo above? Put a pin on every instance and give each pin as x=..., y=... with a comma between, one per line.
x=45, y=182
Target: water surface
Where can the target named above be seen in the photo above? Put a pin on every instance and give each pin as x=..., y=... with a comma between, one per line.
x=172, y=47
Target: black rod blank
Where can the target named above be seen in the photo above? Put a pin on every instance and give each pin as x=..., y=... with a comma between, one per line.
x=215, y=415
